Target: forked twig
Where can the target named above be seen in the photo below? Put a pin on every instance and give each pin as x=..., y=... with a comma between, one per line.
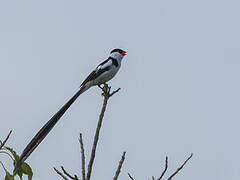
x=61, y=174
x=165, y=169
x=66, y=173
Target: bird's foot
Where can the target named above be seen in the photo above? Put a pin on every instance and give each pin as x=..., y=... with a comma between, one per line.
x=106, y=90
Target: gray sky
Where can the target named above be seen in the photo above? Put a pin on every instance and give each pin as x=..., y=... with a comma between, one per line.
x=180, y=84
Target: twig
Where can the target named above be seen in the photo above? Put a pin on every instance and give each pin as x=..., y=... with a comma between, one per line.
x=130, y=176
x=106, y=94
x=66, y=173
x=82, y=156
x=119, y=166
x=64, y=177
x=180, y=167
x=153, y=178
x=111, y=94
x=164, y=171
x=4, y=142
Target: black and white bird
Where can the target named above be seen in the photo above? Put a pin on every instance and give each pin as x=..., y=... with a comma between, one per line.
x=100, y=75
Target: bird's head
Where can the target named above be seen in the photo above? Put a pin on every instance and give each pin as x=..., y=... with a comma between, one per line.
x=118, y=53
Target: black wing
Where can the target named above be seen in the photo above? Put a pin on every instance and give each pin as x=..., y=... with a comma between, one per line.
x=89, y=78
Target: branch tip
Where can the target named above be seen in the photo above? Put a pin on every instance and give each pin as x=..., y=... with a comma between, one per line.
x=4, y=142
x=60, y=174
x=119, y=166
x=164, y=171
x=176, y=172
x=129, y=175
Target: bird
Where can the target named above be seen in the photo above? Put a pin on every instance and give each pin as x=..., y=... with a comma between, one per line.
x=104, y=72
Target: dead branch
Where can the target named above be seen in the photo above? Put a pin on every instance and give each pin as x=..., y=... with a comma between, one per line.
x=106, y=94
x=165, y=169
x=82, y=156
x=119, y=166
x=65, y=173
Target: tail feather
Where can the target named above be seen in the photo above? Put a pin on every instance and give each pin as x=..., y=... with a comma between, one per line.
x=42, y=133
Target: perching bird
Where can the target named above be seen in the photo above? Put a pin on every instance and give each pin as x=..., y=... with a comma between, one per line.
x=102, y=74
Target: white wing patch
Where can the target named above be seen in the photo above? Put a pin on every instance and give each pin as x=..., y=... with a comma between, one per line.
x=105, y=65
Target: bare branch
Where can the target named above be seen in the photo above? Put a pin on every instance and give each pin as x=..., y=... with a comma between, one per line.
x=92, y=157
x=106, y=94
x=119, y=166
x=66, y=173
x=180, y=167
x=164, y=171
x=153, y=178
x=83, y=156
x=4, y=142
x=130, y=176
x=64, y=177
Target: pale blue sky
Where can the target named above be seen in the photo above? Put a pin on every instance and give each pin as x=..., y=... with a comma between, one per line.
x=180, y=84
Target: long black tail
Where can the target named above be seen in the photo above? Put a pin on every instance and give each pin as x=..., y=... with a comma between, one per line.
x=42, y=133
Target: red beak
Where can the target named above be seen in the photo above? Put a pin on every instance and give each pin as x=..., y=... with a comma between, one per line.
x=124, y=53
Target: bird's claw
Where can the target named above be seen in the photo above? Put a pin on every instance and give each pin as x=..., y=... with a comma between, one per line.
x=106, y=90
